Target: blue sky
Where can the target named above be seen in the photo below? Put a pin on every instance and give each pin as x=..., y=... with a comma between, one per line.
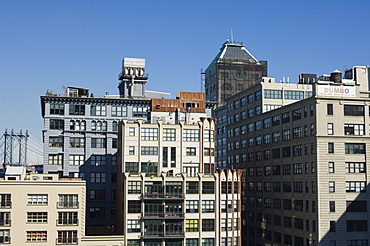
x=45, y=45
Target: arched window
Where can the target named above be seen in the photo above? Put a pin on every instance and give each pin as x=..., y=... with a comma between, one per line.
x=115, y=126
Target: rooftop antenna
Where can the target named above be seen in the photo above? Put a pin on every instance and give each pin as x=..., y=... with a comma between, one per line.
x=232, y=36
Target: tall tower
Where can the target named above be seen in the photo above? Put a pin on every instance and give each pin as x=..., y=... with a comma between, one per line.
x=133, y=78
x=234, y=69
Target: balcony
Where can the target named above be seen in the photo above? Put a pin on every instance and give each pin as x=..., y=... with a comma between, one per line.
x=161, y=195
x=167, y=234
x=166, y=215
x=67, y=204
x=67, y=222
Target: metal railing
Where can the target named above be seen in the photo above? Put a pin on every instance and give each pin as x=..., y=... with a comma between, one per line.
x=163, y=195
x=67, y=204
x=66, y=241
x=67, y=222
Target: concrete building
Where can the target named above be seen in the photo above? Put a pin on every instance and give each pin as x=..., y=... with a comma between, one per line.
x=169, y=192
x=305, y=162
x=233, y=70
x=80, y=138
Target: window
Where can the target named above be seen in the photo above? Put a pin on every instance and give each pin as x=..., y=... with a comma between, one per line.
x=131, y=150
x=77, y=125
x=134, y=187
x=133, y=226
x=134, y=206
x=57, y=109
x=98, y=143
x=132, y=167
x=97, y=195
x=149, y=133
x=208, y=241
x=119, y=111
x=68, y=201
x=132, y=131
x=330, y=148
x=356, y=206
x=331, y=167
x=36, y=236
x=354, y=129
x=330, y=129
x=67, y=218
x=275, y=137
x=208, y=224
x=361, y=242
x=169, y=134
x=192, y=206
x=191, y=135
x=297, y=132
x=98, y=126
x=355, y=167
x=55, y=141
x=56, y=124
x=97, y=110
x=331, y=186
x=67, y=237
x=266, y=139
x=276, y=120
x=276, y=153
x=98, y=160
x=286, y=134
x=77, y=142
x=76, y=160
x=258, y=110
x=192, y=242
x=257, y=95
x=355, y=186
x=149, y=150
x=297, y=150
x=297, y=114
x=139, y=111
x=355, y=148
x=208, y=187
x=331, y=206
x=37, y=217
x=329, y=109
x=285, y=117
x=276, y=94
x=295, y=95
x=356, y=225
x=353, y=110
x=192, y=187
x=97, y=177
x=192, y=225
x=76, y=109
x=37, y=199
x=298, y=168
x=286, y=151
x=287, y=169
x=114, y=126
x=208, y=206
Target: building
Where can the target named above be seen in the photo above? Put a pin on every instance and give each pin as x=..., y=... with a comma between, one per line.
x=233, y=70
x=305, y=162
x=80, y=138
x=233, y=119
x=169, y=192
x=44, y=209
